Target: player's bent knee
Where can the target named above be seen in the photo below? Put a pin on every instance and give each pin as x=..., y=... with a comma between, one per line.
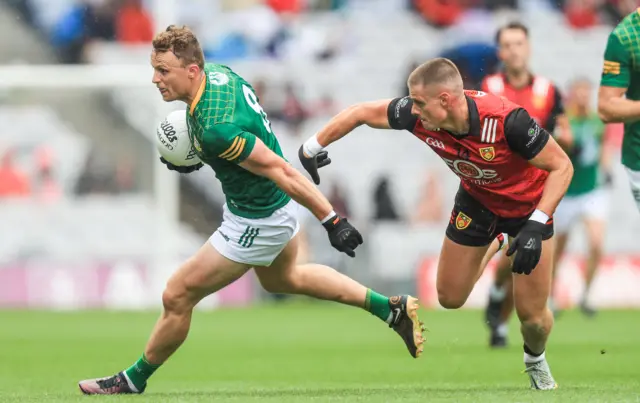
x=449, y=300
x=275, y=286
x=537, y=324
x=532, y=316
x=285, y=282
x=175, y=298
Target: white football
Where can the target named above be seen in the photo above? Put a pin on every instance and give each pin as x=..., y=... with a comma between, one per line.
x=172, y=140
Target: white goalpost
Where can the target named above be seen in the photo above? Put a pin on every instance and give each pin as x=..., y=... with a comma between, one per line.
x=64, y=77
x=161, y=246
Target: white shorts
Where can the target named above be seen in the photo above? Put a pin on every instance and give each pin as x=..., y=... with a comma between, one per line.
x=634, y=182
x=256, y=241
x=593, y=205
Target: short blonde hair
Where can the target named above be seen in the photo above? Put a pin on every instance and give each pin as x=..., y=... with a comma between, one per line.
x=182, y=42
x=436, y=71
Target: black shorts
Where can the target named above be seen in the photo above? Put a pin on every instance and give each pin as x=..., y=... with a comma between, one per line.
x=472, y=224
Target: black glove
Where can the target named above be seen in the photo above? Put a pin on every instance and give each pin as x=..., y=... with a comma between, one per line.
x=528, y=244
x=182, y=170
x=342, y=235
x=311, y=164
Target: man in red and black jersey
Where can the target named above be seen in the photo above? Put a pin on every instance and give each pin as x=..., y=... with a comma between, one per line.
x=512, y=176
x=542, y=99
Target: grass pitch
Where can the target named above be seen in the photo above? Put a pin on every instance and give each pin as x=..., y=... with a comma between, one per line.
x=316, y=352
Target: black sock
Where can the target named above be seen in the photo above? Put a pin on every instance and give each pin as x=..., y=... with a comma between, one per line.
x=531, y=353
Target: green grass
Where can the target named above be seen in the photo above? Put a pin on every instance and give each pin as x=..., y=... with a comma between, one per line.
x=315, y=352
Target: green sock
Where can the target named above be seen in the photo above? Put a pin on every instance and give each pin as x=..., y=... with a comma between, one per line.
x=139, y=372
x=377, y=304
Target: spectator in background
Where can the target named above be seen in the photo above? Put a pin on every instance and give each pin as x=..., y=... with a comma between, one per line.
x=325, y=106
x=471, y=46
x=48, y=190
x=495, y=5
x=581, y=14
x=285, y=6
x=124, y=176
x=46, y=187
x=474, y=60
x=294, y=113
x=85, y=21
x=267, y=100
x=430, y=208
x=338, y=200
x=616, y=10
x=384, y=206
x=326, y=5
x=439, y=13
x=13, y=182
x=133, y=23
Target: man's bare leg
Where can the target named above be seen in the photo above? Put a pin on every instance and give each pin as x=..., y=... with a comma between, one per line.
x=561, y=243
x=531, y=293
x=459, y=268
x=208, y=271
x=284, y=276
x=500, y=301
x=595, y=233
x=203, y=274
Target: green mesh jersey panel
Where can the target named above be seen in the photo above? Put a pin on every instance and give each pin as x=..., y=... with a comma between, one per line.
x=588, y=134
x=622, y=70
x=223, y=126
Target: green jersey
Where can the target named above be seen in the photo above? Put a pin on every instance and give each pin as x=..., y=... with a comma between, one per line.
x=588, y=134
x=224, y=121
x=622, y=70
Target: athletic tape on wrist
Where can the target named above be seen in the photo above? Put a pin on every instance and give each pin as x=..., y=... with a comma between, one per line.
x=328, y=217
x=539, y=216
x=311, y=147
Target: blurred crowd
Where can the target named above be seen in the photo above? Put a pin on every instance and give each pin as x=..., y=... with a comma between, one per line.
x=30, y=173
x=267, y=28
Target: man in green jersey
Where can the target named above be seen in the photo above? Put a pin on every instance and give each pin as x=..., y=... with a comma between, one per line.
x=620, y=77
x=586, y=199
x=231, y=133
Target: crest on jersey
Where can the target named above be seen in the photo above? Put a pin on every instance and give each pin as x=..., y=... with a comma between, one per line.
x=218, y=78
x=488, y=153
x=462, y=221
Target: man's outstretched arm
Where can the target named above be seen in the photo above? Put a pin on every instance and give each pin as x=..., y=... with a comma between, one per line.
x=381, y=114
x=264, y=162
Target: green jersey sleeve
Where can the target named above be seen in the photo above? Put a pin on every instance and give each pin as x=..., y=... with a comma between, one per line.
x=229, y=142
x=617, y=64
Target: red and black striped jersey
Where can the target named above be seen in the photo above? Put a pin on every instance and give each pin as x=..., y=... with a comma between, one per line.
x=492, y=160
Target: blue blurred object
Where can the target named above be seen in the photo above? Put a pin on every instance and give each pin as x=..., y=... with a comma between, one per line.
x=231, y=47
x=70, y=27
x=475, y=60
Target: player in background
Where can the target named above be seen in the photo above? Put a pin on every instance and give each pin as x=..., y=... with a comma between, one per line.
x=512, y=177
x=619, y=94
x=542, y=99
x=231, y=133
x=586, y=198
